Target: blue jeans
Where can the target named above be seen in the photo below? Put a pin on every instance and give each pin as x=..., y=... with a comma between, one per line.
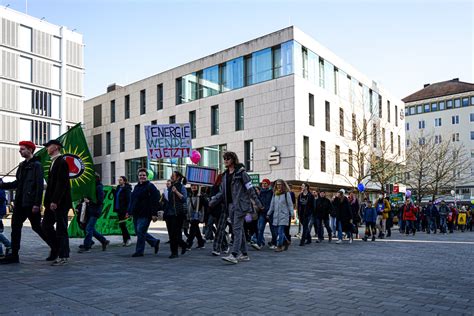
x=332, y=223
x=410, y=227
x=281, y=235
x=442, y=224
x=141, y=227
x=339, y=231
x=91, y=232
x=4, y=240
x=262, y=222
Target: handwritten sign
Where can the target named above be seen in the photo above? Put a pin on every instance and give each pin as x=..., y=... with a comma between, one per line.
x=200, y=175
x=168, y=141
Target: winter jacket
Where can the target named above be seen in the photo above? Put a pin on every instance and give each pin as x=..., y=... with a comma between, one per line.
x=443, y=210
x=355, y=210
x=177, y=206
x=409, y=212
x=242, y=191
x=265, y=197
x=193, y=213
x=305, y=205
x=3, y=204
x=122, y=198
x=322, y=208
x=145, y=200
x=94, y=209
x=29, y=184
x=430, y=211
x=343, y=213
x=370, y=215
x=281, y=208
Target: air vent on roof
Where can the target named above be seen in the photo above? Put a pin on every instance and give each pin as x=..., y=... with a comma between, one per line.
x=455, y=79
x=426, y=85
x=113, y=87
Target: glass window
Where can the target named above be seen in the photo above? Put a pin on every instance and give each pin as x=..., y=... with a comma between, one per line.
x=187, y=88
x=112, y=172
x=127, y=106
x=313, y=60
x=305, y=152
x=248, y=155
x=97, y=112
x=407, y=126
x=298, y=58
x=112, y=111
x=472, y=117
x=311, y=109
x=97, y=145
x=137, y=136
x=108, y=143
x=304, y=59
x=472, y=100
x=24, y=38
x=24, y=69
x=321, y=73
x=442, y=105
x=192, y=122
x=287, y=58
x=434, y=106
x=172, y=119
x=142, y=101
x=338, y=159
x=341, y=122
x=261, y=66
x=323, y=156
x=55, y=106
x=472, y=135
x=26, y=131
x=233, y=74
x=122, y=140
x=248, y=75
x=449, y=104
x=328, y=116
x=457, y=103
x=427, y=108
x=329, y=76
x=465, y=101
x=419, y=109
x=239, y=115
x=209, y=82
x=215, y=120
x=159, y=97
x=344, y=86
x=412, y=110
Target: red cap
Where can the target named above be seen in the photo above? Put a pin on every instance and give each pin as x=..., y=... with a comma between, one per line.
x=28, y=144
x=266, y=181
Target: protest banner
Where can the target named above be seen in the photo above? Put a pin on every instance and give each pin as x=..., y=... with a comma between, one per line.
x=168, y=141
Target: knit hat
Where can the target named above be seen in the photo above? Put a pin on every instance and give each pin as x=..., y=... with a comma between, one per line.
x=266, y=181
x=28, y=144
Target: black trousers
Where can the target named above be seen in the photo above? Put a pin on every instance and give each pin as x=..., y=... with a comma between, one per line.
x=123, y=227
x=194, y=232
x=58, y=238
x=174, y=224
x=20, y=214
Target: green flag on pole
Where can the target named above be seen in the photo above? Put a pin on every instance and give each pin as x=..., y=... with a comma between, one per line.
x=81, y=166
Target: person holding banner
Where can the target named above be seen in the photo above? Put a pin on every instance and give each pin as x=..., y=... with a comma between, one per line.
x=122, y=195
x=144, y=207
x=176, y=211
x=236, y=192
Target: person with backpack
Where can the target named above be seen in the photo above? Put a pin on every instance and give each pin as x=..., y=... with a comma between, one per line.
x=144, y=207
x=236, y=193
x=122, y=195
x=281, y=210
x=197, y=206
x=305, y=205
x=265, y=195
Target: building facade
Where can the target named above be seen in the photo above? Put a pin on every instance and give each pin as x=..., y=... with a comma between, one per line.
x=284, y=103
x=444, y=112
x=41, y=82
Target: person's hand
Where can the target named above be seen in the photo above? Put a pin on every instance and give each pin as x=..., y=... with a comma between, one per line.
x=53, y=206
x=174, y=189
x=86, y=200
x=154, y=218
x=35, y=209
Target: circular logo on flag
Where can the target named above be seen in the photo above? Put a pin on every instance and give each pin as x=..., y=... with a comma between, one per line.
x=75, y=164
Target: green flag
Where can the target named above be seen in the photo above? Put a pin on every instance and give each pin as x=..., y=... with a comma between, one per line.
x=81, y=166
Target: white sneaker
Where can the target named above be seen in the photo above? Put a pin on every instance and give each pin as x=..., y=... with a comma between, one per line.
x=226, y=251
x=350, y=240
x=241, y=257
x=256, y=246
x=339, y=241
x=216, y=253
x=128, y=243
x=60, y=262
x=231, y=259
x=272, y=247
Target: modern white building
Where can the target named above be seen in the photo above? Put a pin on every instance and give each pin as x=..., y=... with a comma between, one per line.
x=41, y=82
x=444, y=111
x=283, y=102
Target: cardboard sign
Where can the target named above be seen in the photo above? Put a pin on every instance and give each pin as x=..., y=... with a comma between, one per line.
x=200, y=175
x=168, y=141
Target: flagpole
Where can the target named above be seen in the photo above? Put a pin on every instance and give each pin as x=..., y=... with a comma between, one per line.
x=9, y=172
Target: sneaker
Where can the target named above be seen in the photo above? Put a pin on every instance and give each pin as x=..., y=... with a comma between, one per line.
x=351, y=240
x=157, y=246
x=203, y=246
x=272, y=247
x=256, y=246
x=364, y=238
x=231, y=259
x=135, y=255
x=339, y=241
x=105, y=244
x=83, y=250
x=173, y=256
x=278, y=249
x=59, y=262
x=82, y=246
x=128, y=243
x=216, y=253
x=373, y=238
x=10, y=259
x=226, y=251
x=242, y=257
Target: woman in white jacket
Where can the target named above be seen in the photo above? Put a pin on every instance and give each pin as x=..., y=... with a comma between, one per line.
x=281, y=210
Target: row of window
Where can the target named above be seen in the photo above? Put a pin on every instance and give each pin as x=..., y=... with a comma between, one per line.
x=438, y=122
x=438, y=139
x=39, y=132
x=439, y=106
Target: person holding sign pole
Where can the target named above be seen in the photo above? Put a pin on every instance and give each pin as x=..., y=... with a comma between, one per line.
x=236, y=192
x=176, y=213
x=197, y=206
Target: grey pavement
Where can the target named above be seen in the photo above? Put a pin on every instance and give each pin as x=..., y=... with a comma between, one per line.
x=421, y=275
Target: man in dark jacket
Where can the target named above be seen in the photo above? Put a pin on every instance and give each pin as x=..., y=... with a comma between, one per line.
x=122, y=195
x=322, y=209
x=57, y=203
x=265, y=195
x=29, y=192
x=93, y=212
x=343, y=216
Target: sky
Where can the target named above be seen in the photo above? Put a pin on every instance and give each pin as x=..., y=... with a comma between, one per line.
x=400, y=44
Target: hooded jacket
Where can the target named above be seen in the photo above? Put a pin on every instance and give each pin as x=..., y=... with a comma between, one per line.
x=145, y=201
x=281, y=209
x=122, y=198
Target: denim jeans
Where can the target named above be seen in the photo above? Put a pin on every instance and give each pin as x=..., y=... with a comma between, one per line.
x=410, y=227
x=141, y=227
x=339, y=231
x=281, y=235
x=4, y=241
x=262, y=223
x=332, y=223
x=91, y=232
x=442, y=224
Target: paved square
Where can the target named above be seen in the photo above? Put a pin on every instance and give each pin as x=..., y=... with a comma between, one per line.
x=421, y=275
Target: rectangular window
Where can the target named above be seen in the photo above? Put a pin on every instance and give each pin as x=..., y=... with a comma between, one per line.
x=472, y=100
x=137, y=136
x=365, y=131
x=472, y=135
x=328, y=116
x=239, y=115
x=419, y=109
x=98, y=169
x=24, y=38
x=442, y=105
x=437, y=139
x=159, y=97
x=172, y=119
x=98, y=145
x=142, y=102
x=127, y=106
x=311, y=109
x=455, y=137
x=354, y=127
x=374, y=135
x=396, y=115
x=427, y=108
x=97, y=112
x=192, y=123
x=108, y=141
x=122, y=140
x=112, y=172
x=391, y=142
x=215, y=120
x=388, y=111
x=465, y=101
x=457, y=103
x=25, y=69
x=407, y=126
x=412, y=110
x=321, y=72
x=323, y=156
x=437, y=122
x=449, y=104
x=399, y=145
x=471, y=117
x=434, y=106
x=380, y=106
x=383, y=139
x=455, y=119
x=305, y=152
x=341, y=122
x=248, y=155
x=421, y=124
x=338, y=160
x=154, y=122
x=248, y=77
x=351, y=164
x=112, y=111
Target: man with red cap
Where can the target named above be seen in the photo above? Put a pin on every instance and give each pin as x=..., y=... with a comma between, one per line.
x=29, y=186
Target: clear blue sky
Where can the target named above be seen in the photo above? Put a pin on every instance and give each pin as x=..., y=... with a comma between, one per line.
x=401, y=44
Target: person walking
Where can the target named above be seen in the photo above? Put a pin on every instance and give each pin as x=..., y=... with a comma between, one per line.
x=305, y=205
x=3, y=211
x=29, y=186
x=322, y=209
x=122, y=194
x=343, y=216
x=93, y=212
x=265, y=195
x=409, y=216
x=281, y=209
x=197, y=206
x=370, y=217
x=236, y=193
x=144, y=207
x=443, y=215
x=221, y=214
x=57, y=203
x=355, y=208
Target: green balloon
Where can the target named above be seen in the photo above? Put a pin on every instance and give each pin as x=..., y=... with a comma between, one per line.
x=150, y=174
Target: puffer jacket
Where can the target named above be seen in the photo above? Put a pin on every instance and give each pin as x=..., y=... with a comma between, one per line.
x=242, y=192
x=281, y=208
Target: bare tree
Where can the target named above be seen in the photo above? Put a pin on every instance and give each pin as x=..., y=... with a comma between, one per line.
x=419, y=148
